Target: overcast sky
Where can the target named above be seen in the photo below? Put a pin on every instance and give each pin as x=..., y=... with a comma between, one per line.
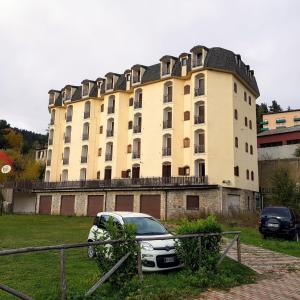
x=48, y=44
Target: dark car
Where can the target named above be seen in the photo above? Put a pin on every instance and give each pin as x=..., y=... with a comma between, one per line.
x=279, y=221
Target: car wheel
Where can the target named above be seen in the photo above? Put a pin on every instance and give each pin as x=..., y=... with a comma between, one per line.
x=296, y=236
x=90, y=251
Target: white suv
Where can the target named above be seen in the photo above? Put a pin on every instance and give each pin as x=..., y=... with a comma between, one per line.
x=157, y=255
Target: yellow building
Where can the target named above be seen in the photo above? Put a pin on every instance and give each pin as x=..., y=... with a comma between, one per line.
x=190, y=118
x=281, y=119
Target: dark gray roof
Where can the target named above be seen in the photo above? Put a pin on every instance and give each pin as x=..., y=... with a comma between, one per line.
x=279, y=131
x=152, y=73
x=167, y=58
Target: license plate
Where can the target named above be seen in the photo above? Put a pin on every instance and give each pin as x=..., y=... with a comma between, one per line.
x=273, y=225
x=169, y=259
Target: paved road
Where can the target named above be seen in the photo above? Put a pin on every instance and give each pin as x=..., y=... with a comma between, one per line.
x=279, y=283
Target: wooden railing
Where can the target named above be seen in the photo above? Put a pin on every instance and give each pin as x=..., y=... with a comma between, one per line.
x=105, y=277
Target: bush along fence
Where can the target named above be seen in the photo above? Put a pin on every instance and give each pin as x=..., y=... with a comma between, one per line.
x=127, y=259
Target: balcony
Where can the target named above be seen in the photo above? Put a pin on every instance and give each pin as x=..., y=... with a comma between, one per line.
x=109, y=133
x=109, y=86
x=137, y=104
x=85, y=136
x=108, y=157
x=50, y=142
x=135, y=79
x=67, y=139
x=86, y=114
x=198, y=119
x=111, y=110
x=167, y=124
x=83, y=159
x=68, y=118
x=48, y=162
x=65, y=161
x=199, y=149
x=166, y=151
x=167, y=98
x=136, y=154
x=137, y=129
x=197, y=62
x=199, y=92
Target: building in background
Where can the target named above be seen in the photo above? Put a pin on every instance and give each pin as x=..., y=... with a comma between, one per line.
x=281, y=119
x=174, y=136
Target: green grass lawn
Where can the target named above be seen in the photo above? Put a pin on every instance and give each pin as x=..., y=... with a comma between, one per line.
x=37, y=274
x=252, y=236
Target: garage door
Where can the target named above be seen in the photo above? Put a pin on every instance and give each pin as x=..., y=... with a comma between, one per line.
x=124, y=203
x=95, y=204
x=150, y=204
x=45, y=205
x=67, y=205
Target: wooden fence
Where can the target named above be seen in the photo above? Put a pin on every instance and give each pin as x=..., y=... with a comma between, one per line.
x=105, y=277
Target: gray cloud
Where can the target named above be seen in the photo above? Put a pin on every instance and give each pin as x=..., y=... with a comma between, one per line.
x=47, y=44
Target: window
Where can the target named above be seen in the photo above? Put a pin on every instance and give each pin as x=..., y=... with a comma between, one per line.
x=84, y=154
x=87, y=110
x=138, y=99
x=168, y=92
x=251, y=149
x=129, y=148
x=101, y=129
x=167, y=118
x=85, y=132
x=249, y=100
x=186, y=142
x=252, y=175
x=236, y=142
x=247, y=174
x=183, y=61
x=130, y=125
x=64, y=175
x=83, y=174
x=236, y=114
x=130, y=101
x=199, y=113
x=109, y=151
x=98, y=175
x=102, y=108
x=246, y=121
x=250, y=124
x=47, y=176
x=186, y=89
x=110, y=127
x=136, y=153
x=236, y=171
x=52, y=120
x=137, y=123
x=66, y=156
x=111, y=105
x=69, y=113
x=245, y=96
x=85, y=89
x=186, y=115
x=167, y=145
x=199, y=138
x=199, y=85
x=166, y=68
x=185, y=171
x=192, y=202
x=68, y=134
x=50, y=139
x=49, y=157
x=99, y=151
x=200, y=167
x=235, y=87
x=246, y=147
x=127, y=77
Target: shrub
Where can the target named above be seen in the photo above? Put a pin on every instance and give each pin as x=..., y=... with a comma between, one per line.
x=124, y=279
x=188, y=250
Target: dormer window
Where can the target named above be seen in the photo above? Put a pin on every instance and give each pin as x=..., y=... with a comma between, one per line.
x=136, y=76
x=197, y=61
x=110, y=83
x=184, y=61
x=198, y=56
x=166, y=68
x=127, y=77
x=51, y=98
x=85, y=90
x=68, y=94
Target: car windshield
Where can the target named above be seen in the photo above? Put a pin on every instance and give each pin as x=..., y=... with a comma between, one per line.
x=276, y=212
x=146, y=226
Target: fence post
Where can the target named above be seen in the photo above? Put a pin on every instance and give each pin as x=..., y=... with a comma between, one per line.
x=238, y=246
x=200, y=249
x=63, y=283
x=139, y=262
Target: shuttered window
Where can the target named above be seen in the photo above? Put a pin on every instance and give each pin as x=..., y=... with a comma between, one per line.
x=192, y=202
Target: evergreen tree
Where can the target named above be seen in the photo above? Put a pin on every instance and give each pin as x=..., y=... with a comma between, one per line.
x=275, y=107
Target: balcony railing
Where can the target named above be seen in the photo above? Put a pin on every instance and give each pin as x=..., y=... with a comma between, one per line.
x=85, y=136
x=109, y=133
x=65, y=161
x=197, y=62
x=51, y=122
x=166, y=151
x=136, y=154
x=86, y=114
x=137, y=129
x=83, y=159
x=111, y=110
x=167, y=98
x=199, y=92
x=137, y=104
x=67, y=139
x=48, y=162
x=199, y=120
x=108, y=157
x=199, y=148
x=167, y=124
x=109, y=86
x=50, y=142
x=68, y=118
x=135, y=79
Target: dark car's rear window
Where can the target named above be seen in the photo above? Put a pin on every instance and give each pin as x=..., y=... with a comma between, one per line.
x=276, y=212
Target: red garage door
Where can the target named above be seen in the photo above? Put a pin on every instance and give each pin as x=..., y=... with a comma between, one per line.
x=124, y=203
x=45, y=205
x=150, y=204
x=67, y=205
x=95, y=204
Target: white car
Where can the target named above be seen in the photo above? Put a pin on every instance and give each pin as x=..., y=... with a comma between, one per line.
x=157, y=255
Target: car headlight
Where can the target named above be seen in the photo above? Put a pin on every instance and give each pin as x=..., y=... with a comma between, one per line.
x=146, y=246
